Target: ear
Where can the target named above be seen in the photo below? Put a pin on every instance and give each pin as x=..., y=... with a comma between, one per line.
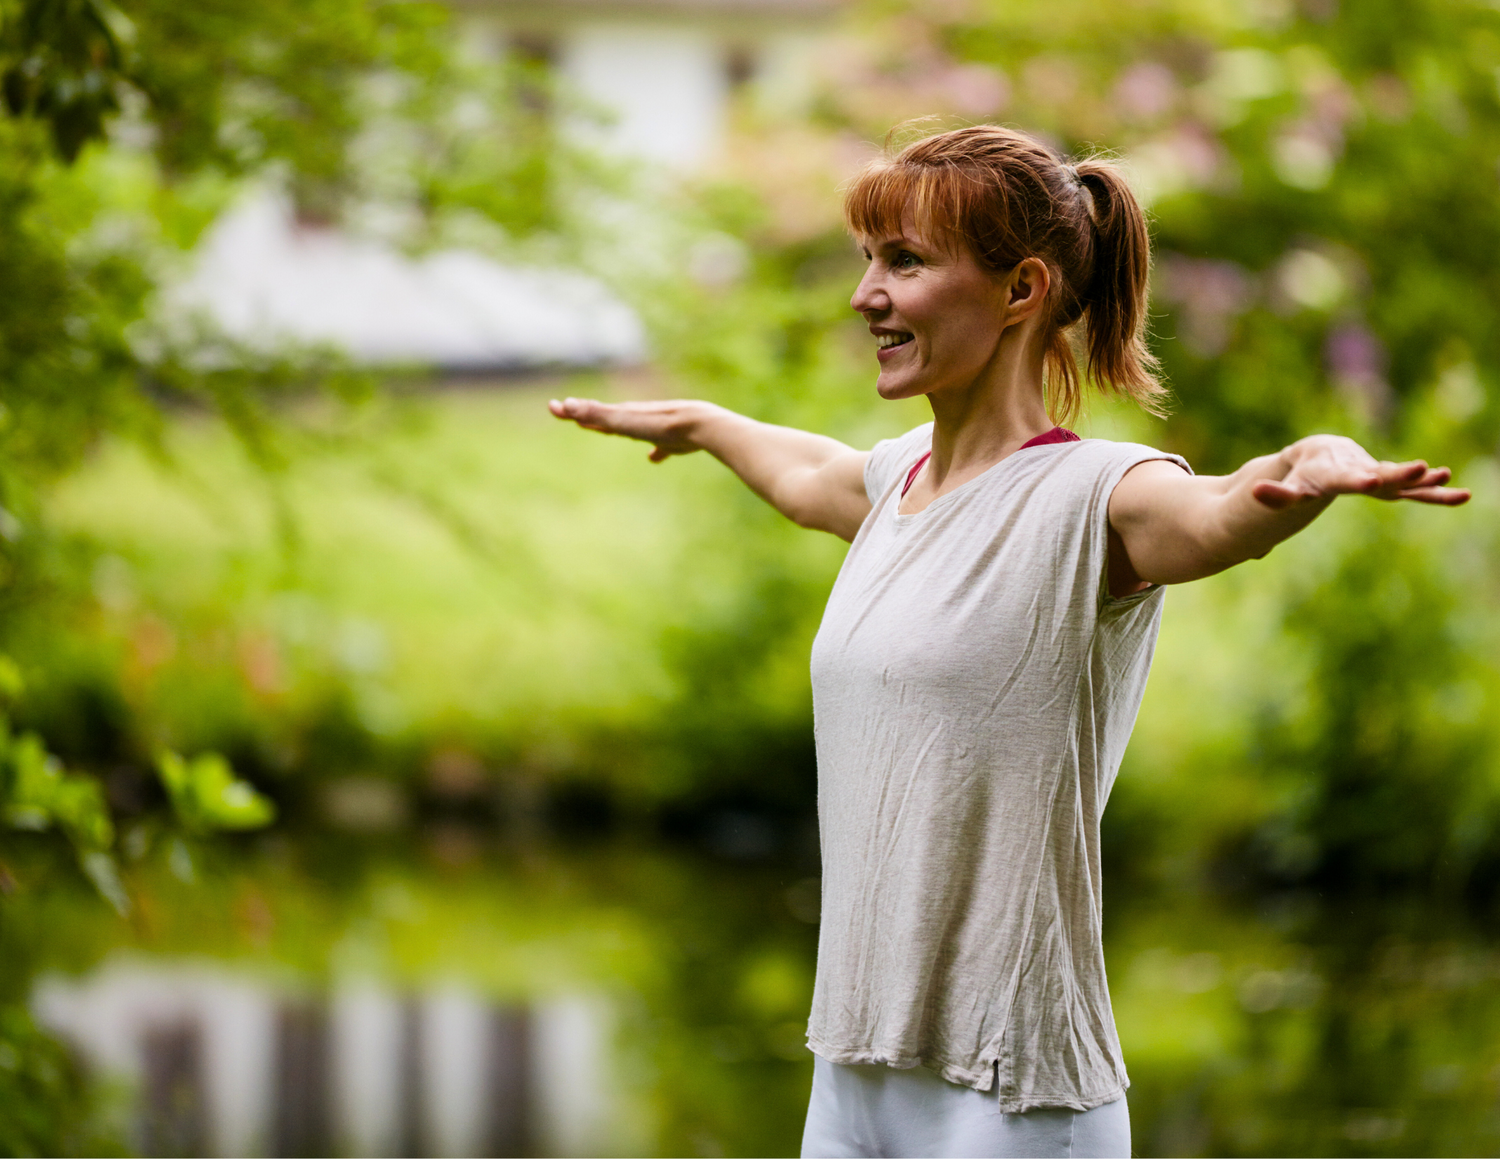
x=1026, y=289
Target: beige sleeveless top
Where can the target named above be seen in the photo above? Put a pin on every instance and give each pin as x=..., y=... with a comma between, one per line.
x=974, y=686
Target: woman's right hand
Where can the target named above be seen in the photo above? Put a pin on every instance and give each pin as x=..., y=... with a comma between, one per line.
x=669, y=426
x=813, y=480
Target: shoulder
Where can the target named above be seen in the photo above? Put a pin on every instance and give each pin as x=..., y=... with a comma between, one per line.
x=1111, y=451
x=1109, y=461
x=1083, y=476
x=891, y=458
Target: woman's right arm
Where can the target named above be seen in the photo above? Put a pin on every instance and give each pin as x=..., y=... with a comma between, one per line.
x=813, y=480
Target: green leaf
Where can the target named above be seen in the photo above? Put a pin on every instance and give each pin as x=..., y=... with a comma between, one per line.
x=207, y=796
x=42, y=793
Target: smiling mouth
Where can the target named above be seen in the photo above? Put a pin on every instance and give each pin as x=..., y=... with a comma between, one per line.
x=887, y=341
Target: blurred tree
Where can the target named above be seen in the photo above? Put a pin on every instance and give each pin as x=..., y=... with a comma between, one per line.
x=125, y=128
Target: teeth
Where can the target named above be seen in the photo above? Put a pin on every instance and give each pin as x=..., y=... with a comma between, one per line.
x=888, y=340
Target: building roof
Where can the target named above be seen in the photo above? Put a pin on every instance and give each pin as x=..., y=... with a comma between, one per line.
x=266, y=281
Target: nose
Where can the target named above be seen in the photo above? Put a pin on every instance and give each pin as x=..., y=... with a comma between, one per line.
x=869, y=296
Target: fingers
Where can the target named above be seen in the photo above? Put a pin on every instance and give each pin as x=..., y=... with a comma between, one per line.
x=652, y=422
x=584, y=411
x=1379, y=480
x=1325, y=476
x=1413, y=480
x=1442, y=496
x=1423, y=484
x=1429, y=483
x=606, y=418
x=1401, y=475
x=1340, y=467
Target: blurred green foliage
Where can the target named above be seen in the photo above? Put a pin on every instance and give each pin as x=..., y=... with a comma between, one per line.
x=40, y=793
x=207, y=796
x=48, y=1099
x=129, y=127
x=126, y=129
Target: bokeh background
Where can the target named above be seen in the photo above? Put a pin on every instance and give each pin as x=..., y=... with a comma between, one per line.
x=388, y=769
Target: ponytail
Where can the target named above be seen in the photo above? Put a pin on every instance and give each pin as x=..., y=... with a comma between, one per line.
x=1115, y=300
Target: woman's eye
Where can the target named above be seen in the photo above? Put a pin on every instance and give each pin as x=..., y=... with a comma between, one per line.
x=906, y=261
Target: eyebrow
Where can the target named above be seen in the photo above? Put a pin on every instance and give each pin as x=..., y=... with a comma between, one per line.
x=898, y=242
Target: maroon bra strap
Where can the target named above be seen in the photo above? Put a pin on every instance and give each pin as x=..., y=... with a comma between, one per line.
x=1055, y=435
x=912, y=474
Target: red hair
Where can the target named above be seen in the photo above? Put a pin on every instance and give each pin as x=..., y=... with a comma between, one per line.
x=1007, y=196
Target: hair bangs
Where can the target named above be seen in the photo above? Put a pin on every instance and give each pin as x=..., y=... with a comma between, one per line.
x=887, y=194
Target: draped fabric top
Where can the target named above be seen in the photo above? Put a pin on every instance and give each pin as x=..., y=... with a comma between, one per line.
x=974, y=686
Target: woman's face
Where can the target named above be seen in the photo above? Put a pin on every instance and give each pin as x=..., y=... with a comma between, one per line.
x=938, y=315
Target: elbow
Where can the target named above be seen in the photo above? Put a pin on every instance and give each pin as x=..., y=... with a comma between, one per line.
x=1191, y=561
x=807, y=519
x=799, y=506
x=814, y=518
x=1213, y=562
x=814, y=509
x=819, y=522
x=802, y=514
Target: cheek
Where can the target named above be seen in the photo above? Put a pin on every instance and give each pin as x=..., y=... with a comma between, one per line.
x=965, y=334
x=931, y=317
x=957, y=321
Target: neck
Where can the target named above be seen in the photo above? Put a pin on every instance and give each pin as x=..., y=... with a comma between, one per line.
x=977, y=425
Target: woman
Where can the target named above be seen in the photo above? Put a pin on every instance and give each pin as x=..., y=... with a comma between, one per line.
x=984, y=650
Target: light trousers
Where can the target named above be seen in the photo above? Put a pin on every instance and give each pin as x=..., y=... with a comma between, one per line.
x=882, y=1111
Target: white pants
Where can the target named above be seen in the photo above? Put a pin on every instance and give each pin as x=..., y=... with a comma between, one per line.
x=882, y=1111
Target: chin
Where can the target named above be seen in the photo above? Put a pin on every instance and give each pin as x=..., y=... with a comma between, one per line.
x=898, y=389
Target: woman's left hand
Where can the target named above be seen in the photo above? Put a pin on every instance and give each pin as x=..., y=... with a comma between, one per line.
x=1323, y=467
x=1171, y=527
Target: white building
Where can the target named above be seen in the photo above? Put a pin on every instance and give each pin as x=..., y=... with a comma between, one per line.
x=661, y=78
x=668, y=71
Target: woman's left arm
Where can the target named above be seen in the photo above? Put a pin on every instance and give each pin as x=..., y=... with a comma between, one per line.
x=1168, y=527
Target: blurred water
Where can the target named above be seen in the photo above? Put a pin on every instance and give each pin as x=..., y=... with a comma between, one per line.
x=223, y=1061
x=634, y=1001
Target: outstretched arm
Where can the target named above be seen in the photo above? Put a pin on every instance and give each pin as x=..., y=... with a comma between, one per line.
x=813, y=480
x=1170, y=527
